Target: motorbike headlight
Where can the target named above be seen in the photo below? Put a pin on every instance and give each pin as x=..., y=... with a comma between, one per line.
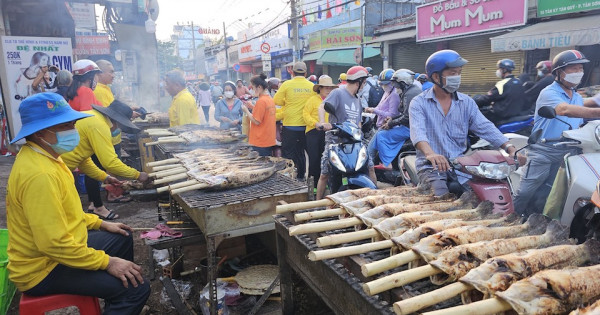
x=491, y=170
x=335, y=160
x=356, y=134
x=362, y=158
x=597, y=134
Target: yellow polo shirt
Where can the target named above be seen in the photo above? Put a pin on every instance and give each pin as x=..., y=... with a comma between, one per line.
x=292, y=96
x=104, y=94
x=183, y=109
x=46, y=224
x=311, y=112
x=95, y=138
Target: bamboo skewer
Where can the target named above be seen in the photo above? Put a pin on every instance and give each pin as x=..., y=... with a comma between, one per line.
x=484, y=307
x=324, y=226
x=298, y=217
x=186, y=183
x=349, y=250
x=165, y=167
x=291, y=207
x=389, y=263
x=162, y=162
x=171, y=178
x=168, y=172
x=189, y=188
x=434, y=297
x=399, y=279
x=337, y=239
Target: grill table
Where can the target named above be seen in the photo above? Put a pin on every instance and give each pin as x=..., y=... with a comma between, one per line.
x=237, y=212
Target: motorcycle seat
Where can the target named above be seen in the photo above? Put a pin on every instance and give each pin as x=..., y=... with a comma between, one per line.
x=514, y=119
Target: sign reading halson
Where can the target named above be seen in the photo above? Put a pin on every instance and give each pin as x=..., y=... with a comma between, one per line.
x=451, y=18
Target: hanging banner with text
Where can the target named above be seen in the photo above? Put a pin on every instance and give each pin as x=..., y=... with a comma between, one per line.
x=24, y=58
x=449, y=18
x=335, y=38
x=556, y=7
x=86, y=45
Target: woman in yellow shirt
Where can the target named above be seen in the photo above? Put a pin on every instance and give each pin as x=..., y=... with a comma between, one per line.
x=315, y=139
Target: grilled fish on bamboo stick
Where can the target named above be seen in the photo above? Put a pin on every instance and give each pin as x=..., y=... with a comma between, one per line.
x=498, y=273
x=401, y=223
x=554, y=291
x=593, y=309
x=370, y=202
x=430, y=247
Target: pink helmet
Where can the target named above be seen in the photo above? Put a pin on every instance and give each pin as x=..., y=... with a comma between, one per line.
x=84, y=66
x=356, y=72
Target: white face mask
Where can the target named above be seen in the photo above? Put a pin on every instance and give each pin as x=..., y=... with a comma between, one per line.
x=540, y=73
x=499, y=73
x=574, y=78
x=452, y=83
x=228, y=94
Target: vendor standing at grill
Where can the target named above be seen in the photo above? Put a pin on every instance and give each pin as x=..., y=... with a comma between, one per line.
x=96, y=139
x=262, y=118
x=183, y=107
x=54, y=247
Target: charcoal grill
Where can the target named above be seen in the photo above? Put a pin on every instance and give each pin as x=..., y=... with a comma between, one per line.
x=237, y=212
x=338, y=281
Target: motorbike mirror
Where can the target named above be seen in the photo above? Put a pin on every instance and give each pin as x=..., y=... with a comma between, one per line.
x=536, y=135
x=547, y=112
x=330, y=109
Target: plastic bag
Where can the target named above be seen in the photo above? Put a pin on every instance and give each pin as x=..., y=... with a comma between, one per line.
x=221, y=293
x=161, y=257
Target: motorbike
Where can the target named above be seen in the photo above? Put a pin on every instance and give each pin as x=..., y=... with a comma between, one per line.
x=348, y=157
x=582, y=173
x=488, y=170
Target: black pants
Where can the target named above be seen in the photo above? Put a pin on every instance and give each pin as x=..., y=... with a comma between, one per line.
x=315, y=144
x=99, y=283
x=206, y=109
x=293, y=144
x=92, y=186
x=263, y=151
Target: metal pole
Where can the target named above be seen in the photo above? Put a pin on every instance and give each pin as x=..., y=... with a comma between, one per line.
x=226, y=52
x=362, y=35
x=194, y=49
x=294, y=18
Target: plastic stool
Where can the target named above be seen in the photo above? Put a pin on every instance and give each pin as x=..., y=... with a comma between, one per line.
x=38, y=305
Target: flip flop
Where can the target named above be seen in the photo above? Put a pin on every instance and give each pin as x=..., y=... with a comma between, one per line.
x=120, y=199
x=111, y=216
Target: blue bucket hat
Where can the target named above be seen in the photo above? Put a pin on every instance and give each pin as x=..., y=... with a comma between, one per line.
x=44, y=110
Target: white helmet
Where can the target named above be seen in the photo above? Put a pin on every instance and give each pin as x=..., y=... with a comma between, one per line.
x=84, y=66
x=404, y=75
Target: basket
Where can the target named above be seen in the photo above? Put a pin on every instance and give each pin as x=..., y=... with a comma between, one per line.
x=7, y=288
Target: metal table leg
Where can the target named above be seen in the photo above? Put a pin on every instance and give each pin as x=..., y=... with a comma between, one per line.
x=285, y=274
x=212, y=243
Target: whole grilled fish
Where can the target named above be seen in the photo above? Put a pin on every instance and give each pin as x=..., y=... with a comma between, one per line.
x=457, y=261
x=554, y=291
x=367, y=203
x=498, y=273
x=593, y=309
x=430, y=247
x=351, y=195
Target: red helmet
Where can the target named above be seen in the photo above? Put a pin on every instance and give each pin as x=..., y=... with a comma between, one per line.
x=356, y=73
x=545, y=66
x=84, y=66
x=312, y=78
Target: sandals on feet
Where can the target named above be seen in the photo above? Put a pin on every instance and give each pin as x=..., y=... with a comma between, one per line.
x=111, y=215
x=120, y=199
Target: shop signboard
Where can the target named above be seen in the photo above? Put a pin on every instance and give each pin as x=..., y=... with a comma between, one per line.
x=221, y=60
x=556, y=7
x=83, y=14
x=24, y=58
x=335, y=38
x=449, y=18
x=86, y=45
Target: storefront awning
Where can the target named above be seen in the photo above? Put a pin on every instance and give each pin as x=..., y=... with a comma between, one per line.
x=581, y=31
x=394, y=36
x=313, y=55
x=345, y=57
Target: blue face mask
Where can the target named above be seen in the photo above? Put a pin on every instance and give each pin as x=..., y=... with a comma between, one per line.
x=115, y=132
x=66, y=141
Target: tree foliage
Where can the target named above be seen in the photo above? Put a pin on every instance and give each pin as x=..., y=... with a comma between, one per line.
x=167, y=60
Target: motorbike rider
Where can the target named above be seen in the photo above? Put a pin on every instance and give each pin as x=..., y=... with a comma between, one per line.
x=424, y=80
x=388, y=105
x=347, y=108
x=395, y=130
x=364, y=94
x=545, y=78
x=507, y=97
x=440, y=119
x=313, y=78
x=545, y=159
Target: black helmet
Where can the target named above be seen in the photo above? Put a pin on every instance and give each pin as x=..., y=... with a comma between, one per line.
x=506, y=64
x=568, y=57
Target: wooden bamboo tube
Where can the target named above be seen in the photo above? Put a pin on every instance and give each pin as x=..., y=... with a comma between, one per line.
x=349, y=250
x=165, y=167
x=399, y=279
x=178, y=140
x=323, y=226
x=388, y=263
x=189, y=188
x=170, y=178
x=434, y=297
x=162, y=162
x=337, y=239
x=168, y=172
x=291, y=207
x=298, y=217
x=168, y=138
x=151, y=143
x=162, y=189
x=483, y=307
x=183, y=184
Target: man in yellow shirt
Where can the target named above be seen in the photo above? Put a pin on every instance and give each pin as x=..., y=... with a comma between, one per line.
x=292, y=96
x=54, y=247
x=106, y=77
x=183, y=108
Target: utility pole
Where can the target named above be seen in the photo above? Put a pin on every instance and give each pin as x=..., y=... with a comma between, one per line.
x=194, y=49
x=295, y=37
x=362, y=35
x=226, y=52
